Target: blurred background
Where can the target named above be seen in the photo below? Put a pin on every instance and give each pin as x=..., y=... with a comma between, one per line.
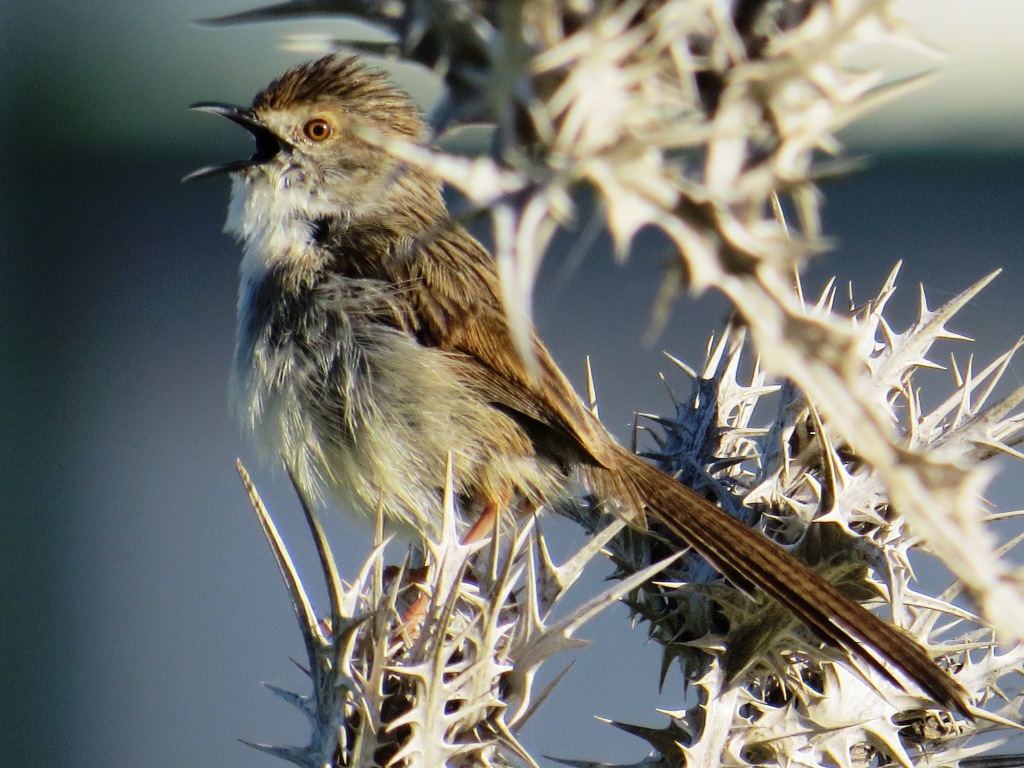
x=140, y=606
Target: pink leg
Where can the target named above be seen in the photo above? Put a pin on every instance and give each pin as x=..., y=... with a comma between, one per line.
x=484, y=524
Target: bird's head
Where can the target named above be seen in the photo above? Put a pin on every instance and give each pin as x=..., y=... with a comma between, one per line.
x=310, y=158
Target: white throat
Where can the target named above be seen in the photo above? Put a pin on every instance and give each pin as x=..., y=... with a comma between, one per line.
x=275, y=222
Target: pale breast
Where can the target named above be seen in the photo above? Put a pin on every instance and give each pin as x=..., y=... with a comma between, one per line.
x=326, y=377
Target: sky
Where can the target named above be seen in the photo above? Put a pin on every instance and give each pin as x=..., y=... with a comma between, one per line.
x=128, y=67
x=973, y=100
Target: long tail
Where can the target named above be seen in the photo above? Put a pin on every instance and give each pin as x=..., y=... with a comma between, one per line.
x=748, y=558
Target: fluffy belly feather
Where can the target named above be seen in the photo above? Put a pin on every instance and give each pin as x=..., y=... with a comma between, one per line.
x=364, y=414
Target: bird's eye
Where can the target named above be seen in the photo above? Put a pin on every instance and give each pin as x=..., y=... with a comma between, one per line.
x=318, y=129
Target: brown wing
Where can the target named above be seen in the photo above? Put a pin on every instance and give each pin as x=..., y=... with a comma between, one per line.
x=457, y=307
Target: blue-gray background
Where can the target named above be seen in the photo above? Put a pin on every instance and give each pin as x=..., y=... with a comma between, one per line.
x=140, y=607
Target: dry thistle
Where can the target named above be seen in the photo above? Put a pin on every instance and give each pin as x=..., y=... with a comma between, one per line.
x=706, y=119
x=456, y=691
x=768, y=694
x=448, y=687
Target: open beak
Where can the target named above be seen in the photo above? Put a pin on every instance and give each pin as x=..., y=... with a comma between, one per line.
x=268, y=144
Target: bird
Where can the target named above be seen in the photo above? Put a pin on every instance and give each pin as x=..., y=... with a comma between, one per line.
x=373, y=344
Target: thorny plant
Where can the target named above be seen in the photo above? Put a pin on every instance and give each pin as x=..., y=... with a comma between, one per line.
x=450, y=687
x=455, y=687
x=707, y=119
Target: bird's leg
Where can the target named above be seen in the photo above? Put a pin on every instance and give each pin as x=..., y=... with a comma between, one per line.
x=413, y=616
x=485, y=524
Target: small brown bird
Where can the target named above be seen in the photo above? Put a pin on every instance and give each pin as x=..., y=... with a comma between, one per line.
x=372, y=344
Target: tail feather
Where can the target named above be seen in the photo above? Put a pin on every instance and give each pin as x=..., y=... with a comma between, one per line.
x=745, y=557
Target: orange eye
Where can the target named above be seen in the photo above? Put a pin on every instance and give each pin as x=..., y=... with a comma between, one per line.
x=318, y=129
